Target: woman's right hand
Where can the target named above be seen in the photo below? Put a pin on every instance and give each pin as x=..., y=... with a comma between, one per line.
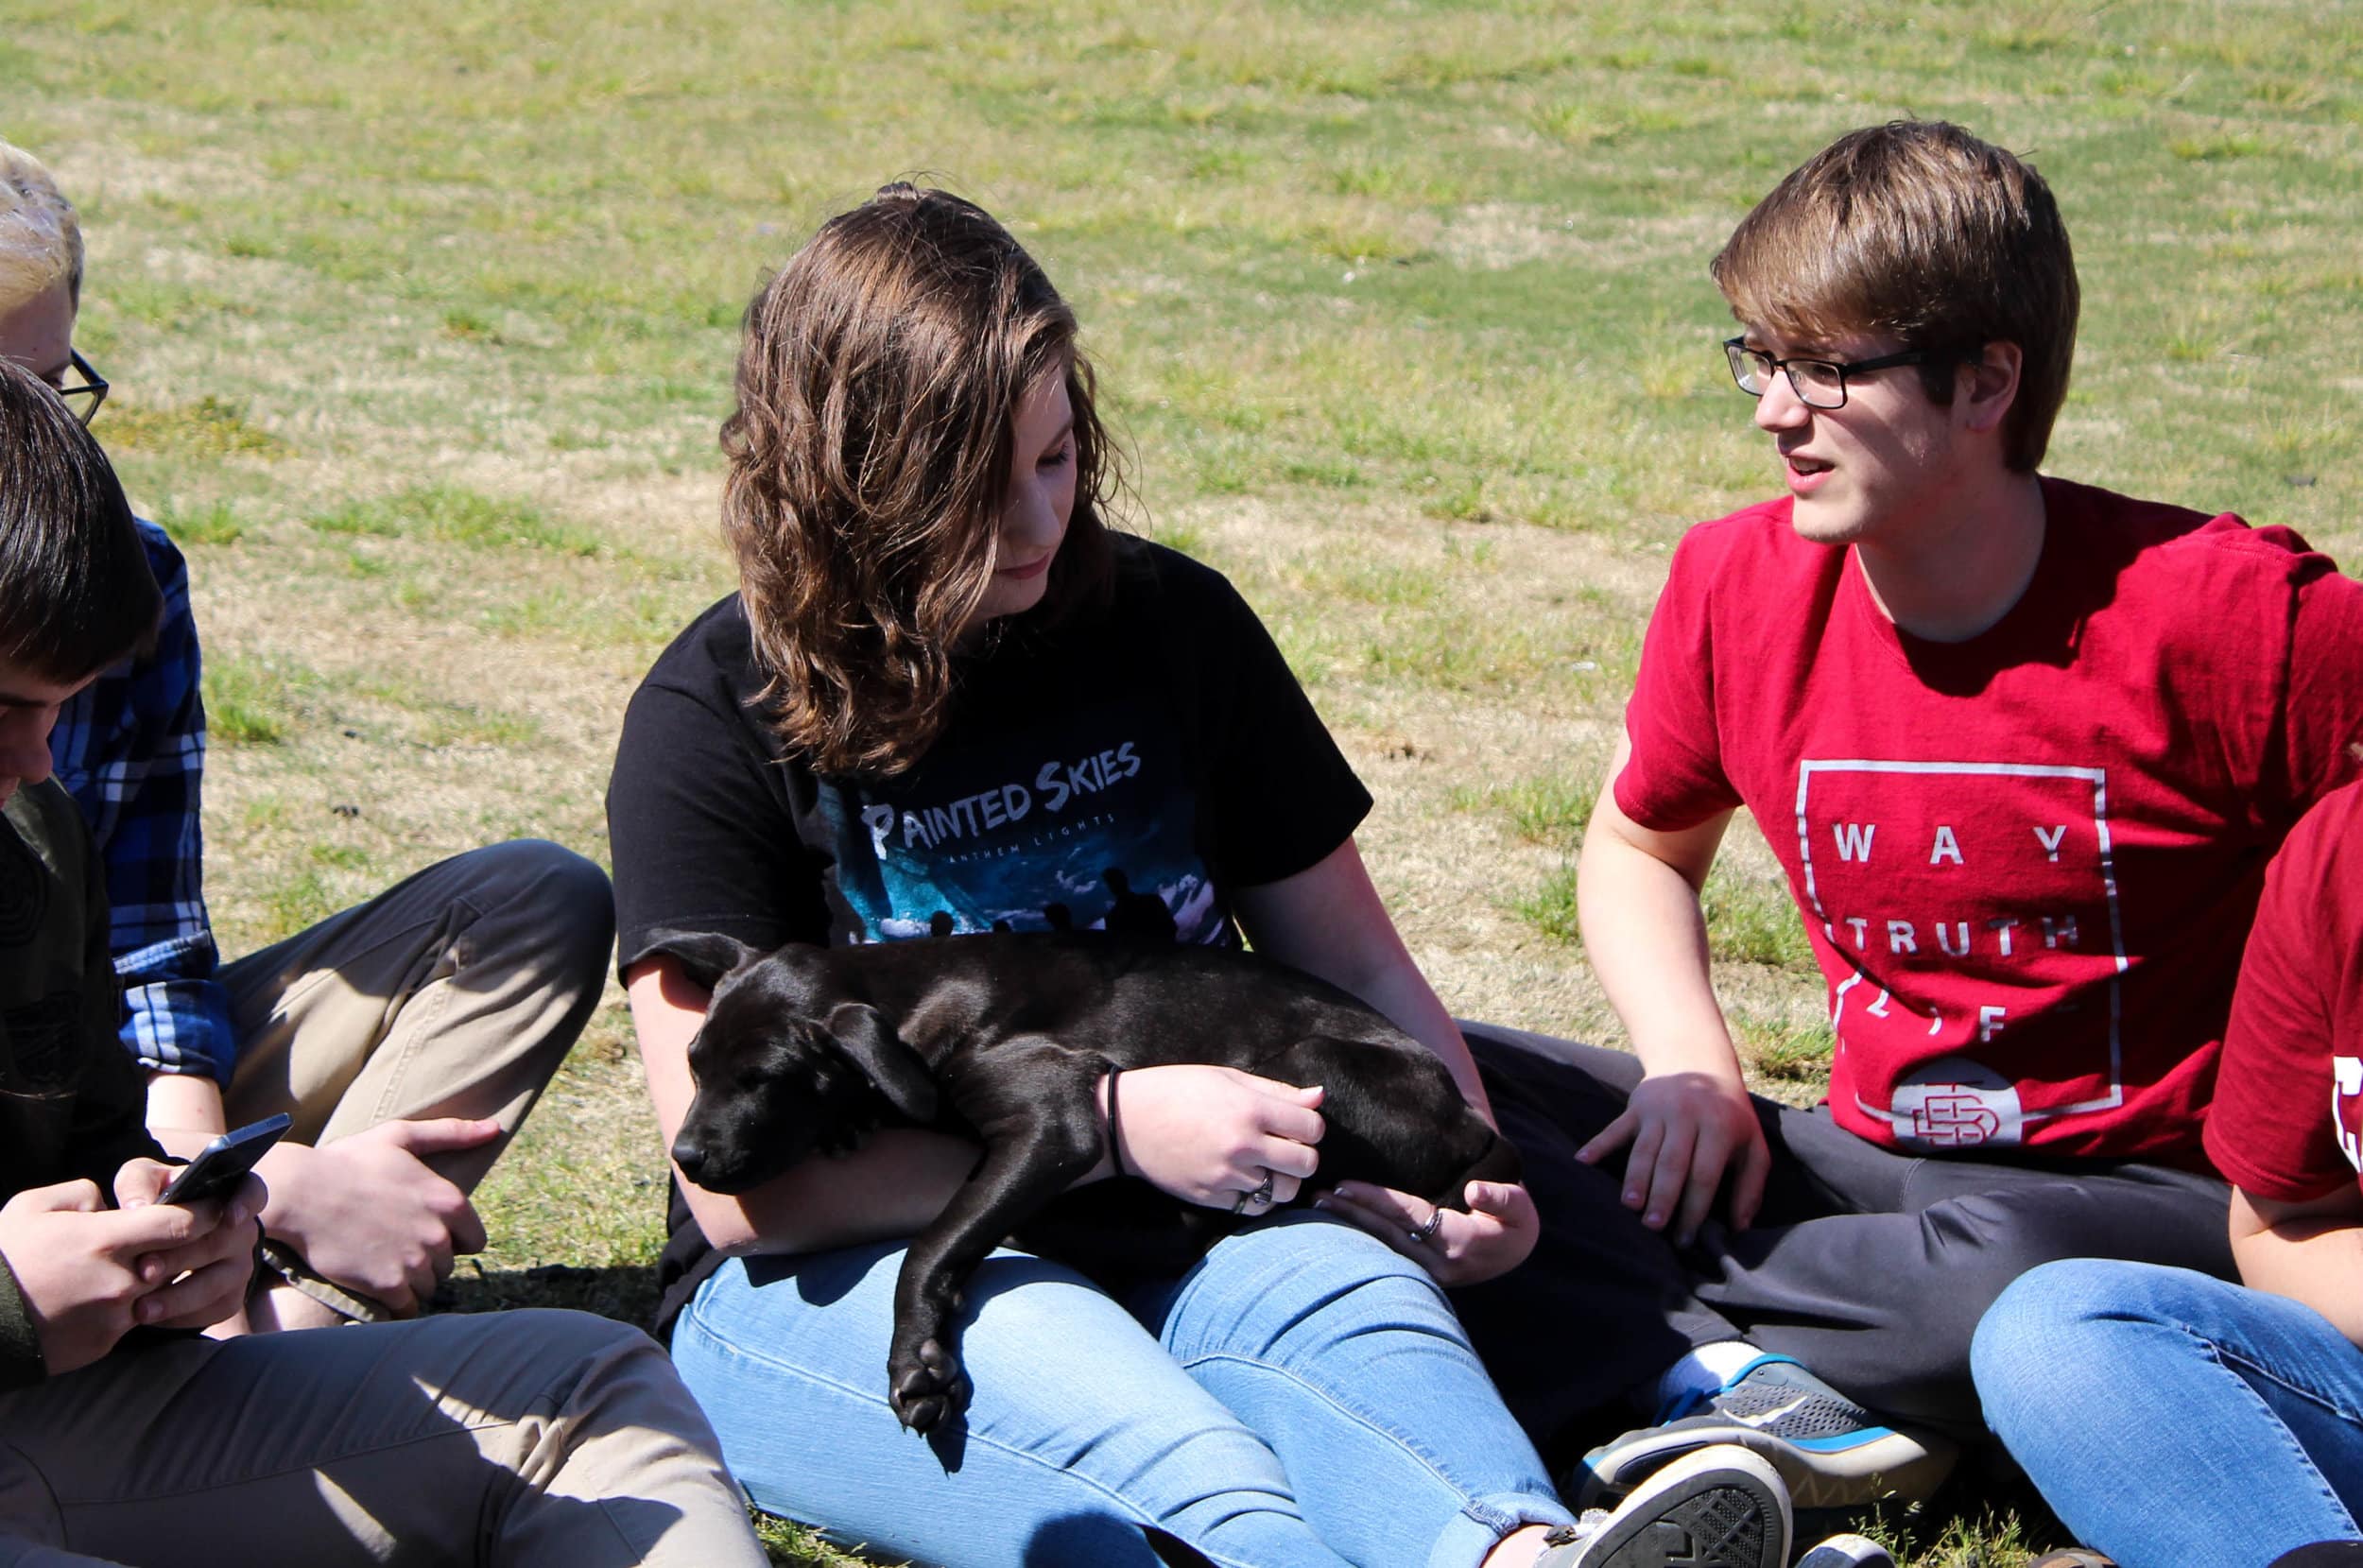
x=1209, y=1135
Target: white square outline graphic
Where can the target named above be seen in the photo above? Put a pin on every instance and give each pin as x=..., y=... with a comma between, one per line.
x=2098, y=779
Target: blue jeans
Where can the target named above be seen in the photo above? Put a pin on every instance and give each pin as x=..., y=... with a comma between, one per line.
x=2172, y=1419
x=1302, y=1396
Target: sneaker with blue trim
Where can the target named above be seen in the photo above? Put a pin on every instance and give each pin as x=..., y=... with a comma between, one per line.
x=1717, y=1506
x=1831, y=1452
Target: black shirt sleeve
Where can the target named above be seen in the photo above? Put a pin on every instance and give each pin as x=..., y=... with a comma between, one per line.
x=697, y=812
x=1280, y=795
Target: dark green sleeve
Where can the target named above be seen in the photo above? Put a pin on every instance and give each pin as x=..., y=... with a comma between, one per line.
x=20, y=1348
x=111, y=1101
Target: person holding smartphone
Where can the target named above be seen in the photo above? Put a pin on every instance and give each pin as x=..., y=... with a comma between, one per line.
x=125, y=1437
x=407, y=1037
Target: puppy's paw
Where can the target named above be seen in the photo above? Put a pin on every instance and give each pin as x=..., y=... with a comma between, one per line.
x=925, y=1385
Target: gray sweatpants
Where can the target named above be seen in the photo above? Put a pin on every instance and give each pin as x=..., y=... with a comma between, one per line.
x=503, y=1440
x=1870, y=1266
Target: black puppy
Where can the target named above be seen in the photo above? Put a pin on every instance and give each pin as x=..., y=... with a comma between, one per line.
x=1003, y=1038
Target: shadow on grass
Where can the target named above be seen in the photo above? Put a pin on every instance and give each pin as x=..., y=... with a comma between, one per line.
x=625, y=1292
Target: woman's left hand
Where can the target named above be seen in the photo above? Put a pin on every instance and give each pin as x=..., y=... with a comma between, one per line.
x=1492, y=1239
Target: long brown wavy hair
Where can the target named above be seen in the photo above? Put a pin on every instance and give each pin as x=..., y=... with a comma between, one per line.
x=868, y=456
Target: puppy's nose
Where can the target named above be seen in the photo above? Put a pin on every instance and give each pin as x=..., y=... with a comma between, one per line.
x=689, y=1156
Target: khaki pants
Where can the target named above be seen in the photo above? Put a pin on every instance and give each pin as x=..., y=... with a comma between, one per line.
x=456, y=992
x=509, y=1438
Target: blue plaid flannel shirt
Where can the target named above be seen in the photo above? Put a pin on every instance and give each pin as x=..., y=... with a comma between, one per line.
x=130, y=749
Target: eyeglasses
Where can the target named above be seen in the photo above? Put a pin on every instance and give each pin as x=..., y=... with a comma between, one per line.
x=84, y=396
x=1817, y=383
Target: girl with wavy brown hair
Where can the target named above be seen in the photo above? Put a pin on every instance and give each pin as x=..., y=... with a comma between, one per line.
x=945, y=699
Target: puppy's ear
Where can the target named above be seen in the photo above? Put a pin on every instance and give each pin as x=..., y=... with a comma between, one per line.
x=898, y=1071
x=708, y=956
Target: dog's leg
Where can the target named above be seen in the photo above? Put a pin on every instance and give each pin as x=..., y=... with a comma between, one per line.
x=1031, y=1103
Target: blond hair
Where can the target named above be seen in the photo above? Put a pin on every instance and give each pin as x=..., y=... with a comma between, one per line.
x=1917, y=230
x=40, y=239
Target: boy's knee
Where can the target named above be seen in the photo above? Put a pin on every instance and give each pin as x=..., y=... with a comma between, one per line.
x=571, y=1350
x=567, y=892
x=560, y=904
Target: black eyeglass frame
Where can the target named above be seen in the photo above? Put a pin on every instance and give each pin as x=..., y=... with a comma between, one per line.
x=1739, y=355
x=94, y=387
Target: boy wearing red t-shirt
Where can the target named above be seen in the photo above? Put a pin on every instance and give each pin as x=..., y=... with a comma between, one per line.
x=2023, y=748
x=2251, y=1399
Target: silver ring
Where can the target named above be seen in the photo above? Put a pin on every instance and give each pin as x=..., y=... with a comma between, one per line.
x=1427, y=1233
x=1260, y=1196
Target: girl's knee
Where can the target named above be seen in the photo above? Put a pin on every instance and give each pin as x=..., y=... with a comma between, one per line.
x=1305, y=1259
x=2081, y=1290
x=2059, y=1320
x=1299, y=1284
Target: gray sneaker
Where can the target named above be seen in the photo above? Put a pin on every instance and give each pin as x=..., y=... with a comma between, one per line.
x=1831, y=1452
x=1718, y=1506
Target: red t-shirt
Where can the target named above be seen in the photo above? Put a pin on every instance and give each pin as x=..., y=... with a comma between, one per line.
x=2287, y=1121
x=2025, y=861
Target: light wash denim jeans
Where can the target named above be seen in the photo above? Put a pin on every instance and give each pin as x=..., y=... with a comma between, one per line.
x=2171, y=1418
x=1303, y=1398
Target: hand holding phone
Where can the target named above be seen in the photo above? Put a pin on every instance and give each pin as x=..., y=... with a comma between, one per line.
x=220, y=1165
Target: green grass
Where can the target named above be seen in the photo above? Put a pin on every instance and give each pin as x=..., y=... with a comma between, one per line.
x=1550, y=809
x=452, y=515
x=247, y=702
x=421, y=321
x=1550, y=908
x=1751, y=920
x=211, y=523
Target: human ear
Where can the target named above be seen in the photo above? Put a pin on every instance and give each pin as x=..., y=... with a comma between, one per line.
x=1988, y=386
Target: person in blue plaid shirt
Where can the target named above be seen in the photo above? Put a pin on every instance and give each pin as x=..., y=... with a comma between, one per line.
x=408, y=1037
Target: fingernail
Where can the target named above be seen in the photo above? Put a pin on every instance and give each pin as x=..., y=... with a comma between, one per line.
x=147, y=1309
x=1655, y=1222
x=1633, y=1197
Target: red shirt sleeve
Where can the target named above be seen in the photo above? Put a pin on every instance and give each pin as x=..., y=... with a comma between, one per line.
x=1675, y=777
x=2281, y=1114
x=2323, y=715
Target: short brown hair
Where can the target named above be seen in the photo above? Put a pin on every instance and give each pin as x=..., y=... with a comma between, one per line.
x=76, y=591
x=1918, y=230
x=869, y=457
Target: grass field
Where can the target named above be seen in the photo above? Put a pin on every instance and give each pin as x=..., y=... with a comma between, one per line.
x=421, y=320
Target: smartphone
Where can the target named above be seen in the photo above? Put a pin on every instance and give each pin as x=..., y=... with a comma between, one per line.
x=221, y=1164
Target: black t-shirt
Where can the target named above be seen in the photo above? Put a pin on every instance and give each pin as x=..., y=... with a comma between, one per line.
x=1121, y=770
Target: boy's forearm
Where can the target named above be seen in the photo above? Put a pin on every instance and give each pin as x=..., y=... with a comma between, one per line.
x=184, y=1112
x=1646, y=936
